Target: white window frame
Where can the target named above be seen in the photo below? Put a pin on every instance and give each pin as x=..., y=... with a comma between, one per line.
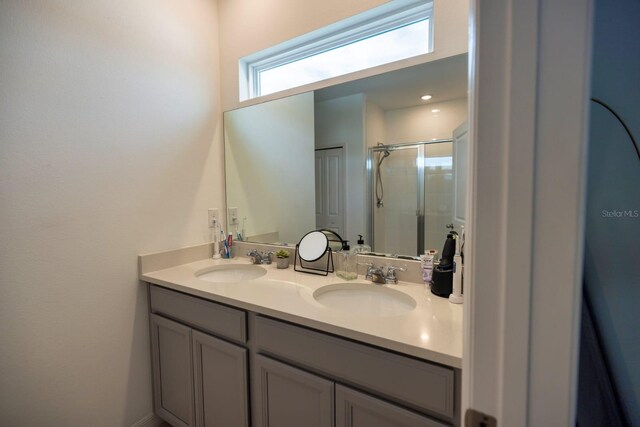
x=376, y=21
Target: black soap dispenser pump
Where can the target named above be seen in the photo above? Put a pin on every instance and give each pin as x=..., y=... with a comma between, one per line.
x=361, y=247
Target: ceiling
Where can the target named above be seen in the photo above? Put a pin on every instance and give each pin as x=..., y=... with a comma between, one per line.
x=444, y=79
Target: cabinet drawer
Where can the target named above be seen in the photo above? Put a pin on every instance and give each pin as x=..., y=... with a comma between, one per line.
x=355, y=409
x=419, y=384
x=206, y=315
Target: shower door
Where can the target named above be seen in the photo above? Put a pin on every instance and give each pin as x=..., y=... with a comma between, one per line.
x=411, y=196
x=397, y=214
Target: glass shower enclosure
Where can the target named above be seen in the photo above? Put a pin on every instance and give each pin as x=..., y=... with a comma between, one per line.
x=410, y=196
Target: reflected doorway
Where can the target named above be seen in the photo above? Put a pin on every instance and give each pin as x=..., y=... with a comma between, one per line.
x=329, y=173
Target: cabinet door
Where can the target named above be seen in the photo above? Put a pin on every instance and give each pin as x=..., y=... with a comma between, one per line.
x=220, y=376
x=289, y=397
x=172, y=371
x=355, y=409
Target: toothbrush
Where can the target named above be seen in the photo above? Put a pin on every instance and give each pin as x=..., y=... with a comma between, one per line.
x=456, y=296
x=216, y=244
x=224, y=241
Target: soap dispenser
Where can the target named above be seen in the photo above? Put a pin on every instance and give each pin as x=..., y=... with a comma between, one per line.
x=361, y=247
x=346, y=268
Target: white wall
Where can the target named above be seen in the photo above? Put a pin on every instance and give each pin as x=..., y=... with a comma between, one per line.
x=109, y=147
x=278, y=197
x=421, y=124
x=374, y=124
x=611, y=272
x=249, y=26
x=340, y=122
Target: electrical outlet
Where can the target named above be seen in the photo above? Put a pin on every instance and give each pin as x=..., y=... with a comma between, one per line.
x=233, y=216
x=214, y=217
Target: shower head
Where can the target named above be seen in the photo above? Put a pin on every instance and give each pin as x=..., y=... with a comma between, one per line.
x=385, y=153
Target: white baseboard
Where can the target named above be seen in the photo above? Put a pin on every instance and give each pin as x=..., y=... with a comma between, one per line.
x=151, y=420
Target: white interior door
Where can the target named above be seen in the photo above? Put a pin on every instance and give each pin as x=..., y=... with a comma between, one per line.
x=525, y=211
x=460, y=174
x=330, y=189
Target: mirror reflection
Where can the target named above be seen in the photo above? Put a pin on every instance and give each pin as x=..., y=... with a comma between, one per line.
x=367, y=157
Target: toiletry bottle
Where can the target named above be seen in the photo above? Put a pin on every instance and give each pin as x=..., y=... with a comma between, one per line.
x=361, y=247
x=426, y=262
x=346, y=268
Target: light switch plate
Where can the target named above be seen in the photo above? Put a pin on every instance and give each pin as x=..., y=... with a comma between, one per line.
x=214, y=217
x=233, y=216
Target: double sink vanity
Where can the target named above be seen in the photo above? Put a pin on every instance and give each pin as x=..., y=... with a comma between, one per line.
x=236, y=344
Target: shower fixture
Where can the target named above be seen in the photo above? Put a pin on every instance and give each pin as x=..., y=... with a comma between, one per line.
x=379, y=187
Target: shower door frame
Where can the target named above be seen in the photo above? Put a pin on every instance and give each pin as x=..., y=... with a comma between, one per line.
x=420, y=211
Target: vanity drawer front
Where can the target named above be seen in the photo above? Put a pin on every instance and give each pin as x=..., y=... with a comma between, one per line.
x=420, y=384
x=206, y=315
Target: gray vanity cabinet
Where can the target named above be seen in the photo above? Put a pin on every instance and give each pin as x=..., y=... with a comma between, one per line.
x=220, y=376
x=204, y=352
x=198, y=380
x=355, y=409
x=289, y=397
x=172, y=371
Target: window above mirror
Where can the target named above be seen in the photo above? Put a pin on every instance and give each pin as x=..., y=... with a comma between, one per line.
x=392, y=32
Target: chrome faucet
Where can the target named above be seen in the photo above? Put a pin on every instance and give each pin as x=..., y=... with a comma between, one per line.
x=389, y=278
x=259, y=257
x=370, y=270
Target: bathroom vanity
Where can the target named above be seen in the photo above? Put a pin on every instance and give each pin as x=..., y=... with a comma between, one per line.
x=282, y=348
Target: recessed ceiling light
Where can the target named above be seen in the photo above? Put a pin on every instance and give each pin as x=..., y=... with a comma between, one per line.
x=426, y=97
x=435, y=110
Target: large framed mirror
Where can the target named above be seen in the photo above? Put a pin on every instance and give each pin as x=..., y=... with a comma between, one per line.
x=368, y=157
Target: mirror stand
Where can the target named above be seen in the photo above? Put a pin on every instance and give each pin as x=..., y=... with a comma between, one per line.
x=302, y=268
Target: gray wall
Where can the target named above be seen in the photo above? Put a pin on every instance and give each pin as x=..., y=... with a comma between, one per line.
x=110, y=146
x=612, y=252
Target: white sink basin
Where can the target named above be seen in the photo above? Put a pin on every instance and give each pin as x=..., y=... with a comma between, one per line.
x=231, y=273
x=362, y=299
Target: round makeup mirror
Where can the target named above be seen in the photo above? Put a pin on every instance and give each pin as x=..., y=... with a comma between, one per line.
x=313, y=246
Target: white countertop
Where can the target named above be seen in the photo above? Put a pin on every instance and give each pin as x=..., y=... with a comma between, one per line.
x=431, y=331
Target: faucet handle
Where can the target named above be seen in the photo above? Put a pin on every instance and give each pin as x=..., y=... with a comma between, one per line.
x=370, y=270
x=255, y=256
x=390, y=277
x=266, y=257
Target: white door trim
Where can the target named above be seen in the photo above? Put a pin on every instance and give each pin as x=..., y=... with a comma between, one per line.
x=460, y=150
x=529, y=89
